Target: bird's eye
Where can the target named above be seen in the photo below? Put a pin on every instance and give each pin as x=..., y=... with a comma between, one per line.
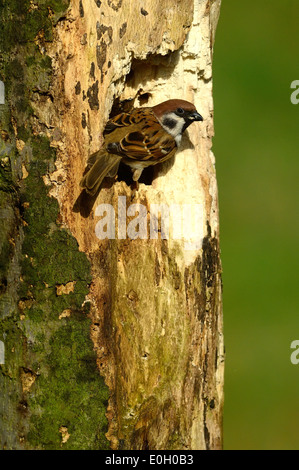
x=180, y=111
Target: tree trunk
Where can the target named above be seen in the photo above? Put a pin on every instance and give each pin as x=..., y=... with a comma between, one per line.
x=109, y=342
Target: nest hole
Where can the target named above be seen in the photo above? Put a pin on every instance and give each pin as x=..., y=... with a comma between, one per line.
x=141, y=73
x=125, y=174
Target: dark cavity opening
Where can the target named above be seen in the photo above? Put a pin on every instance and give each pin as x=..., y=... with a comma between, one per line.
x=137, y=79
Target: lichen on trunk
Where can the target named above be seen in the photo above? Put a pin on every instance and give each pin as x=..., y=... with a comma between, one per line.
x=49, y=380
x=149, y=310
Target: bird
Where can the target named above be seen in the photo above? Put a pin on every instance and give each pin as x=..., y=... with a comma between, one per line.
x=139, y=138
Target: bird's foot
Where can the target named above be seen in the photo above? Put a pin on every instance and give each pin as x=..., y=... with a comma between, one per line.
x=135, y=189
x=137, y=174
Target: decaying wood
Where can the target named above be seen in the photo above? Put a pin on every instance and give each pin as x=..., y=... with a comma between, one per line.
x=156, y=306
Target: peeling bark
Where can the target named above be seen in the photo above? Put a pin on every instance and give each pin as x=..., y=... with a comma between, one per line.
x=155, y=306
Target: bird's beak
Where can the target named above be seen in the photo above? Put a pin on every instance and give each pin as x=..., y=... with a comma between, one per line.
x=195, y=116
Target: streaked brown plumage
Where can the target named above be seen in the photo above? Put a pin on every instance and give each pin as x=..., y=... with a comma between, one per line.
x=143, y=137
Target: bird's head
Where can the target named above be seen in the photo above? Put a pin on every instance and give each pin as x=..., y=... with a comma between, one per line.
x=175, y=116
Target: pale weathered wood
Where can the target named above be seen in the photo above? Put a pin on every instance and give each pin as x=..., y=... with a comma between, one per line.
x=156, y=307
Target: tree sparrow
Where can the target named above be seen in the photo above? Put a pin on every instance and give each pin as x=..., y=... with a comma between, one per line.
x=143, y=137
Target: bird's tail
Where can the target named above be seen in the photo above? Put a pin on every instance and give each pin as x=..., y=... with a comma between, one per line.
x=99, y=165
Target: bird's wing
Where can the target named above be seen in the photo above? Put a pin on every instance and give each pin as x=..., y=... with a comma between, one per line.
x=139, y=136
x=102, y=164
x=126, y=119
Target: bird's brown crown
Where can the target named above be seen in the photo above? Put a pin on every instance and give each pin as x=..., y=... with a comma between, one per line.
x=172, y=105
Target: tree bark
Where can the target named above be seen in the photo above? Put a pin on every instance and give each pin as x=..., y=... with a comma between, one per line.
x=109, y=343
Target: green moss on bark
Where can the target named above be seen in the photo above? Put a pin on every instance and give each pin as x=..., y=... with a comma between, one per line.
x=49, y=381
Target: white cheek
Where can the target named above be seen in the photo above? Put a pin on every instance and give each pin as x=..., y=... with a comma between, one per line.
x=177, y=130
x=178, y=139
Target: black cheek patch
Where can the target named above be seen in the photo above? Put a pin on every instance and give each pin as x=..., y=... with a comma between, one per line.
x=170, y=123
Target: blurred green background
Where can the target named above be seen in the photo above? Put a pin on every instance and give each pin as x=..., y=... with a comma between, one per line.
x=256, y=58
